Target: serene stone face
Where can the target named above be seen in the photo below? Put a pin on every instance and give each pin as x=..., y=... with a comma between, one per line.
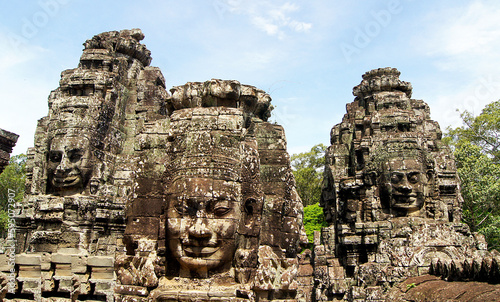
x=69, y=163
x=203, y=216
x=405, y=180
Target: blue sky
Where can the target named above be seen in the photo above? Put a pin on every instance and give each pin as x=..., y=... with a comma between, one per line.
x=308, y=55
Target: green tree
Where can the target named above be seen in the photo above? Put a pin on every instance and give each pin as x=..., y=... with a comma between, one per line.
x=12, y=179
x=477, y=152
x=314, y=220
x=308, y=169
x=481, y=191
x=482, y=130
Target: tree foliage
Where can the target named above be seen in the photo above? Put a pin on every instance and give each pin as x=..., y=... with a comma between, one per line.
x=12, y=179
x=482, y=130
x=314, y=220
x=477, y=152
x=308, y=169
x=481, y=191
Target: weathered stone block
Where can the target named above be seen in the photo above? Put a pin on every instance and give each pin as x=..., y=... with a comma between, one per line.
x=103, y=286
x=31, y=286
x=147, y=227
x=336, y=272
x=63, y=270
x=79, y=264
x=352, y=240
x=146, y=207
x=305, y=270
x=102, y=273
x=61, y=258
x=100, y=261
x=319, y=250
x=370, y=239
x=28, y=259
x=65, y=285
x=30, y=271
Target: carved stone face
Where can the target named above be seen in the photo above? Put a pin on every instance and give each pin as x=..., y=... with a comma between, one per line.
x=203, y=217
x=405, y=181
x=69, y=163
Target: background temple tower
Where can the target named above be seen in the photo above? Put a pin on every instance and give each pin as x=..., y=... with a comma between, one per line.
x=391, y=194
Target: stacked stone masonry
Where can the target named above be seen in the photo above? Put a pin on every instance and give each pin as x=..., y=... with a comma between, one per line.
x=136, y=193
x=7, y=142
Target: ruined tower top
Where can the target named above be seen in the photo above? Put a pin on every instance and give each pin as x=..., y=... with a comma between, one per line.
x=227, y=93
x=381, y=79
x=125, y=41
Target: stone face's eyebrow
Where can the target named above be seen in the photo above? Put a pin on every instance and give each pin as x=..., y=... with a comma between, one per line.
x=74, y=150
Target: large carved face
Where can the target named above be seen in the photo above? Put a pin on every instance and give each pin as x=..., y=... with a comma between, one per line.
x=70, y=163
x=405, y=181
x=203, y=217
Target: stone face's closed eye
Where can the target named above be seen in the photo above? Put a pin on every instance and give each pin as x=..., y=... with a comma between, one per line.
x=221, y=211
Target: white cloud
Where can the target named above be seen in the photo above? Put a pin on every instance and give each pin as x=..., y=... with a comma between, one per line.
x=465, y=38
x=475, y=31
x=462, y=43
x=271, y=18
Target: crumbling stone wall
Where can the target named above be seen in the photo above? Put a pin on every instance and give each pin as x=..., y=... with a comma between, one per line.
x=7, y=142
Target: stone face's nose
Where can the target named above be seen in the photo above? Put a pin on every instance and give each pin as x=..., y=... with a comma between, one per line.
x=404, y=186
x=64, y=165
x=200, y=228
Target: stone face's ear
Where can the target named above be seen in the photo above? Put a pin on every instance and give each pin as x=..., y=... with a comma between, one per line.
x=371, y=178
x=430, y=176
x=250, y=206
x=250, y=224
x=94, y=185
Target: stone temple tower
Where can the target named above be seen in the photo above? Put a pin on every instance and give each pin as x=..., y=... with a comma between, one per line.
x=136, y=194
x=391, y=194
x=7, y=142
x=81, y=172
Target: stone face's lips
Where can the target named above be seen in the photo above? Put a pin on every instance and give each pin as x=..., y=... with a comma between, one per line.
x=406, y=201
x=200, y=251
x=65, y=181
x=405, y=196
